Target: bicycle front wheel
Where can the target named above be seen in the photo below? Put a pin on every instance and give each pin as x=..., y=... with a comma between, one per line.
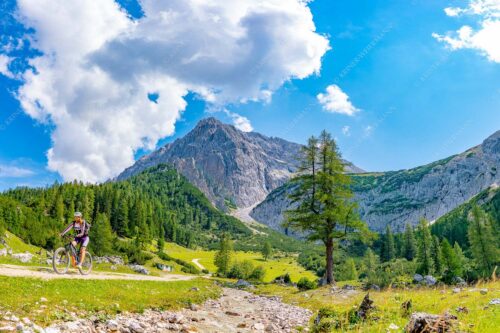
x=60, y=261
x=86, y=265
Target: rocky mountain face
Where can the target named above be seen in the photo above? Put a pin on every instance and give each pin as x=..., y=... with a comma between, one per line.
x=234, y=169
x=398, y=197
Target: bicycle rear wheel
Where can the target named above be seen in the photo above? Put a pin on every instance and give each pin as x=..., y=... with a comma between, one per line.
x=60, y=261
x=86, y=265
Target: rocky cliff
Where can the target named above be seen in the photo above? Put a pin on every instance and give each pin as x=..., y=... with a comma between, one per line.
x=397, y=197
x=234, y=169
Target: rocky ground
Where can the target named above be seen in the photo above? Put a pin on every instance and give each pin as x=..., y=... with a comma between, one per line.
x=235, y=311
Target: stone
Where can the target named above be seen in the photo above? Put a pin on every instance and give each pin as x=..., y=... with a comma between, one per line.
x=483, y=291
x=430, y=280
x=242, y=284
x=421, y=322
x=417, y=278
x=232, y=313
x=393, y=326
x=258, y=326
x=456, y=290
x=135, y=327
x=139, y=269
x=3, y=252
x=7, y=328
x=112, y=325
x=113, y=267
x=43, y=300
x=241, y=325
x=348, y=287
x=495, y=301
x=23, y=257
x=462, y=309
x=195, y=289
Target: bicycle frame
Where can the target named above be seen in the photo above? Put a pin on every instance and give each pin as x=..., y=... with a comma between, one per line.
x=74, y=251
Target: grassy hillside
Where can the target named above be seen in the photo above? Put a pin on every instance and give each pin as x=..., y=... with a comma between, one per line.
x=274, y=267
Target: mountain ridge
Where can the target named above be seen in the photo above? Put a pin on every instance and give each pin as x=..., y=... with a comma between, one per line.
x=234, y=169
x=397, y=197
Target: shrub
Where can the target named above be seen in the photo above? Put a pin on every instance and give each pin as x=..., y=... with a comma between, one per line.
x=306, y=284
x=187, y=267
x=258, y=273
x=285, y=278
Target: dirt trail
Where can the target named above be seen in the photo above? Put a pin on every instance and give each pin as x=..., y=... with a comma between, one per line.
x=47, y=274
x=236, y=311
x=197, y=263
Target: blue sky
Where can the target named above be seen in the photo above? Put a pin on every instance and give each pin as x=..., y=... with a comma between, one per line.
x=416, y=97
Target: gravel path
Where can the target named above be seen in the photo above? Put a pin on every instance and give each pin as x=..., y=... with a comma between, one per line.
x=46, y=273
x=197, y=263
x=235, y=311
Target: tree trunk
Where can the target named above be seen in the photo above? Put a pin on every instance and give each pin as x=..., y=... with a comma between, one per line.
x=329, y=262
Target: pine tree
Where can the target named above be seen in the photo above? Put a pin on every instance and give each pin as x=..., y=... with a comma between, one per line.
x=482, y=241
x=267, y=250
x=102, y=236
x=370, y=263
x=122, y=218
x=223, y=257
x=436, y=255
x=451, y=263
x=351, y=273
x=425, y=262
x=410, y=243
x=388, y=250
x=464, y=262
x=322, y=195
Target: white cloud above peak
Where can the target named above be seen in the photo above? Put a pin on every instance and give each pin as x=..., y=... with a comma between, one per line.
x=336, y=101
x=485, y=38
x=98, y=67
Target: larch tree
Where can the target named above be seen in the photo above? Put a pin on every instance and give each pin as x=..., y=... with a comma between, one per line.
x=482, y=241
x=223, y=257
x=321, y=198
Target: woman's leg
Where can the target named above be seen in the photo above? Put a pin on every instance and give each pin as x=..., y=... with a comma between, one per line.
x=83, y=248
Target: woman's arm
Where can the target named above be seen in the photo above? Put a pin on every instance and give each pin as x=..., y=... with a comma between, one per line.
x=68, y=228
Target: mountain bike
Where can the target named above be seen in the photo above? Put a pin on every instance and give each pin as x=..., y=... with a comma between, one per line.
x=69, y=255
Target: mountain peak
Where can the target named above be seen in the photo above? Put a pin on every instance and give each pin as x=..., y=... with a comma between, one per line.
x=210, y=121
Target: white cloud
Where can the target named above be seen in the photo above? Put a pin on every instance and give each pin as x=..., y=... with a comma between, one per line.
x=485, y=38
x=240, y=122
x=98, y=66
x=337, y=101
x=346, y=130
x=4, y=66
x=7, y=171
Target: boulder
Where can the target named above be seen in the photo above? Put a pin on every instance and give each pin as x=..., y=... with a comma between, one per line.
x=430, y=280
x=243, y=284
x=139, y=269
x=3, y=252
x=459, y=281
x=417, y=278
x=421, y=322
x=348, y=287
x=23, y=257
x=495, y=301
